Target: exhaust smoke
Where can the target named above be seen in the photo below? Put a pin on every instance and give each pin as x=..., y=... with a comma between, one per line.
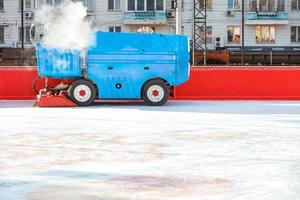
x=66, y=27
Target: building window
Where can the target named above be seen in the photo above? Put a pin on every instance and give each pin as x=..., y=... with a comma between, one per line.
x=159, y=4
x=131, y=5
x=145, y=29
x=114, y=4
x=57, y=2
x=234, y=4
x=140, y=5
x=252, y=5
x=39, y=4
x=88, y=4
x=118, y=29
x=26, y=34
x=295, y=34
x=281, y=5
x=267, y=5
x=265, y=34
x=209, y=34
x=208, y=4
x=1, y=5
x=114, y=29
x=150, y=5
x=234, y=34
x=295, y=5
x=1, y=34
x=27, y=4
x=145, y=5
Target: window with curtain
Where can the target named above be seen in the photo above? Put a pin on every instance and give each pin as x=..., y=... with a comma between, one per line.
x=145, y=29
x=265, y=34
x=234, y=4
x=281, y=5
x=252, y=5
x=233, y=34
x=208, y=4
x=267, y=5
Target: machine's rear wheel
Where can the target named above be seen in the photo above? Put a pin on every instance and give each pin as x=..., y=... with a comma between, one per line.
x=82, y=92
x=155, y=93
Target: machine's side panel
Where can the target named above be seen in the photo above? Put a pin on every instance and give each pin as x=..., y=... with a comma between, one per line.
x=121, y=63
x=57, y=63
x=179, y=44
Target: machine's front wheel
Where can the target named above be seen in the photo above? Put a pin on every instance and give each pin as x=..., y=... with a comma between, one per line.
x=156, y=93
x=82, y=92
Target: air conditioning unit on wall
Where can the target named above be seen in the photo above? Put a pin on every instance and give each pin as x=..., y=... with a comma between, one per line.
x=230, y=13
x=28, y=15
x=170, y=14
x=219, y=43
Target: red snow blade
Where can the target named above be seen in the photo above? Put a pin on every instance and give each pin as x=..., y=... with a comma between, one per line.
x=52, y=99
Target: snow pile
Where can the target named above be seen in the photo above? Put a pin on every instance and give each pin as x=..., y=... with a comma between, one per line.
x=66, y=27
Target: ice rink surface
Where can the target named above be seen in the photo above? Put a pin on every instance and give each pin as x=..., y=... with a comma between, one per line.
x=217, y=150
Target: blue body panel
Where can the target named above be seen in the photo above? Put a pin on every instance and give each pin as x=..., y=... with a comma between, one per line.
x=58, y=64
x=128, y=59
x=128, y=54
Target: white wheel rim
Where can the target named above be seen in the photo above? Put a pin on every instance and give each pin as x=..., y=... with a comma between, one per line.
x=155, y=93
x=82, y=93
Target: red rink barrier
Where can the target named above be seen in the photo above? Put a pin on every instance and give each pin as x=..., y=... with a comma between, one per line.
x=16, y=83
x=242, y=83
x=206, y=83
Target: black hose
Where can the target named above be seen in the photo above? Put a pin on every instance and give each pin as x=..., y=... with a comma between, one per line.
x=34, y=85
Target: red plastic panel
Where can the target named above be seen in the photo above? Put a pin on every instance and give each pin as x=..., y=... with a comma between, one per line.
x=241, y=83
x=206, y=83
x=16, y=83
x=54, y=101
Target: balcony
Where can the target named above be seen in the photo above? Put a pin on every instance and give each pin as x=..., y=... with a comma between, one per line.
x=267, y=18
x=148, y=17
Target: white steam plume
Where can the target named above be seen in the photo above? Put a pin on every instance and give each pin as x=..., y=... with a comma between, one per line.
x=65, y=26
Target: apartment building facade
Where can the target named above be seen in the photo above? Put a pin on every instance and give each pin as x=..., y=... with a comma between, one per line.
x=272, y=29
x=270, y=25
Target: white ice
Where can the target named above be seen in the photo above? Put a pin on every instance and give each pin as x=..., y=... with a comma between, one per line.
x=217, y=150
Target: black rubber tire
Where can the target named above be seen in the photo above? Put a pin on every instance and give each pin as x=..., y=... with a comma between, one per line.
x=77, y=83
x=160, y=83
